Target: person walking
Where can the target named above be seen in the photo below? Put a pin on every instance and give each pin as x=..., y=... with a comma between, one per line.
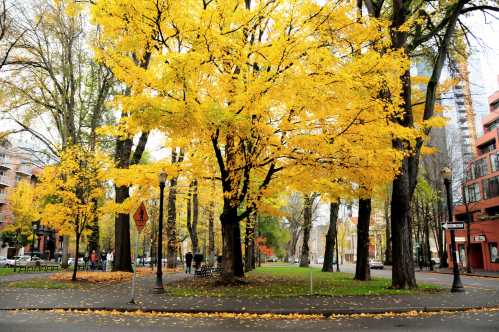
x=198, y=259
x=109, y=261
x=93, y=260
x=188, y=262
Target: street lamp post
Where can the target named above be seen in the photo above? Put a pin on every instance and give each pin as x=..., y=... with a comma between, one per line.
x=35, y=228
x=457, y=285
x=158, y=288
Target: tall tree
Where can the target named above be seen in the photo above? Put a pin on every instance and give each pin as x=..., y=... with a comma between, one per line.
x=58, y=92
x=417, y=25
x=218, y=76
x=192, y=196
x=331, y=238
x=362, y=270
x=177, y=157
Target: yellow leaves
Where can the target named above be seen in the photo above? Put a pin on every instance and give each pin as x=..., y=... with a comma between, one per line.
x=294, y=82
x=69, y=191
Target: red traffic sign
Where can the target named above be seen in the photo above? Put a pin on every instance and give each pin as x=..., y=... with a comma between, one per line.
x=140, y=216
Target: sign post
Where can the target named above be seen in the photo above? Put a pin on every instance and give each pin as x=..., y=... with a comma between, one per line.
x=453, y=225
x=140, y=216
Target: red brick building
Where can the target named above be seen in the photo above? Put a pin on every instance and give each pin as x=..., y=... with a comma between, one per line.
x=482, y=193
x=15, y=166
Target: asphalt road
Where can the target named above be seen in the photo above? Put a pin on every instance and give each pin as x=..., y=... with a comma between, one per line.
x=40, y=321
x=434, y=278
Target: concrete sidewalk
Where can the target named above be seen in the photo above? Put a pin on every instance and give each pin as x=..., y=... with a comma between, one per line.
x=475, y=273
x=116, y=297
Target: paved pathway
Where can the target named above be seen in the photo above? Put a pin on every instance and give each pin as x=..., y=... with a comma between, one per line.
x=24, y=276
x=38, y=321
x=118, y=295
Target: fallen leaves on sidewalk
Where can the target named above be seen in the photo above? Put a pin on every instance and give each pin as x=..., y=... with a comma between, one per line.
x=268, y=316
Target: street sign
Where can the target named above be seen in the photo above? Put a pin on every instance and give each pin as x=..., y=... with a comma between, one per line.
x=454, y=225
x=140, y=216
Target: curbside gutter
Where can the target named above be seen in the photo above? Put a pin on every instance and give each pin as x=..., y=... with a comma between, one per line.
x=281, y=312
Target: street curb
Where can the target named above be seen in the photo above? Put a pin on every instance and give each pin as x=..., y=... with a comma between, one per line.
x=466, y=274
x=283, y=312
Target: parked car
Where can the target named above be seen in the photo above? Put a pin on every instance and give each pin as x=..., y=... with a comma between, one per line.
x=435, y=261
x=71, y=261
x=375, y=264
x=23, y=260
x=3, y=261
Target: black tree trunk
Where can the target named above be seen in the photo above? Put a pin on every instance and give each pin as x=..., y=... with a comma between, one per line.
x=231, y=237
x=331, y=236
x=306, y=228
x=249, y=243
x=122, y=256
x=211, y=234
x=75, y=267
x=362, y=271
x=403, y=264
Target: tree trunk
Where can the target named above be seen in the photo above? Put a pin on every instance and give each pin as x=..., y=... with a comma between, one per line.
x=295, y=235
x=172, y=224
x=231, y=237
x=337, y=251
x=195, y=216
x=93, y=238
x=65, y=251
x=306, y=228
x=122, y=255
x=388, y=241
x=427, y=237
x=211, y=234
x=362, y=271
x=192, y=226
x=331, y=238
x=75, y=267
x=249, y=243
x=469, y=218
x=403, y=263
x=172, y=214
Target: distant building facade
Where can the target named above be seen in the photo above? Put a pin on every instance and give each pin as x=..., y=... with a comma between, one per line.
x=15, y=166
x=482, y=197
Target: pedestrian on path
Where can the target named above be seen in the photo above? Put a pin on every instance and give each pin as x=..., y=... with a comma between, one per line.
x=93, y=260
x=109, y=261
x=198, y=259
x=188, y=262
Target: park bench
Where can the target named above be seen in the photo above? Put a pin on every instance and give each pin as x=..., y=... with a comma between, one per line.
x=36, y=266
x=208, y=271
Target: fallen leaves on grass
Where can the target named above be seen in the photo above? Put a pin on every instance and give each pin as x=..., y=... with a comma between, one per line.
x=94, y=277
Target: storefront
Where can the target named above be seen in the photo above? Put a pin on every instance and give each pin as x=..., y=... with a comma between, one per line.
x=483, y=247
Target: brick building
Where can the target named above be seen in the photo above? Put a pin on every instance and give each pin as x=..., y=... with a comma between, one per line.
x=15, y=166
x=482, y=193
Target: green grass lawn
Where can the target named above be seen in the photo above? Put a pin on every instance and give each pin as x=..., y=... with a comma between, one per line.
x=274, y=281
x=5, y=271
x=40, y=283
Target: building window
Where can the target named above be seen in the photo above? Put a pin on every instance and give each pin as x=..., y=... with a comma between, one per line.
x=494, y=258
x=487, y=147
x=490, y=187
x=470, y=173
x=494, y=161
x=473, y=193
x=480, y=167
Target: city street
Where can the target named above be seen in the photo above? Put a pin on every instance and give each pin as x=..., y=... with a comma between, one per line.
x=36, y=321
x=433, y=278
